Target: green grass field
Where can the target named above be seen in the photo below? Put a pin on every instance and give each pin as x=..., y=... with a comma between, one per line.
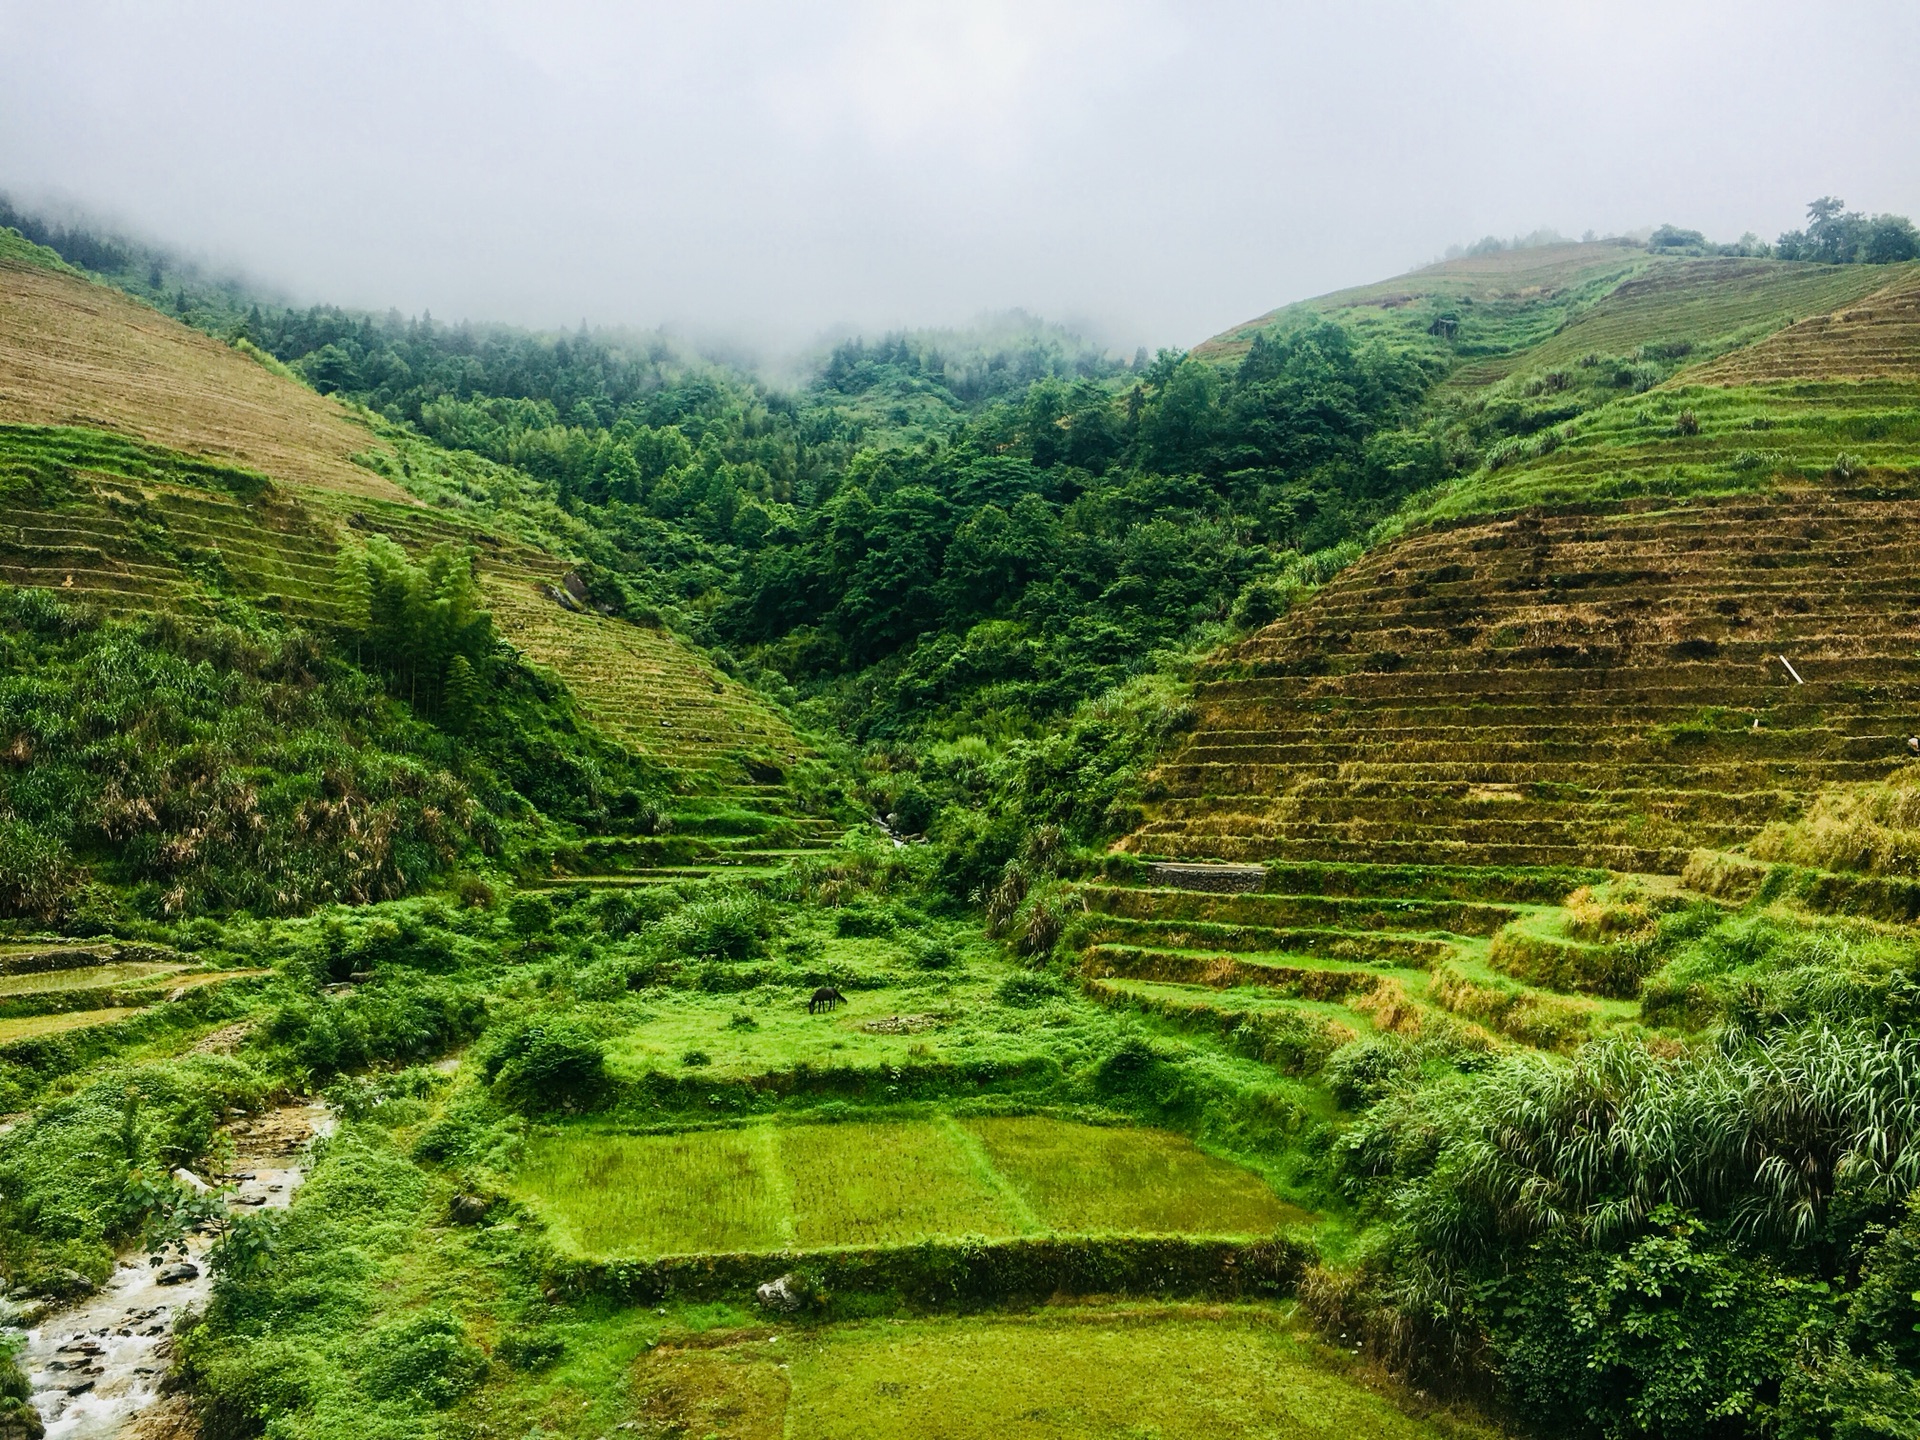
x=883, y=1182
x=896, y=1014
x=1086, y=1179
x=1144, y=1373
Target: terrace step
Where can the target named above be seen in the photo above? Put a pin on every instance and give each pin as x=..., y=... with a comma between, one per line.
x=1565, y=686
x=1209, y=877
x=1284, y=911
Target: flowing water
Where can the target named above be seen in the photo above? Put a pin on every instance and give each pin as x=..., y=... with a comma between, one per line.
x=98, y=1364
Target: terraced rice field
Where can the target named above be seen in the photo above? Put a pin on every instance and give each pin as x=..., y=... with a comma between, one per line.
x=771, y=1187
x=641, y=685
x=1708, y=304
x=1091, y=1373
x=1294, y=975
x=1657, y=628
x=1601, y=688
x=1875, y=335
x=93, y=977
x=35, y=1027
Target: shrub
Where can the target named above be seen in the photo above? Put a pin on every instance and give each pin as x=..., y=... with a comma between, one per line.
x=18, y=1418
x=1264, y=601
x=405, y=1019
x=34, y=872
x=730, y=926
x=1362, y=1071
x=473, y=891
x=1041, y=930
x=913, y=811
x=862, y=921
x=1005, y=900
x=546, y=1065
x=928, y=953
x=531, y=1350
x=1028, y=989
x=426, y=1358
x=1672, y=1337
x=529, y=915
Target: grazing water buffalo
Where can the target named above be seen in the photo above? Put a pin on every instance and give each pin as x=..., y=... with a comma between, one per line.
x=825, y=998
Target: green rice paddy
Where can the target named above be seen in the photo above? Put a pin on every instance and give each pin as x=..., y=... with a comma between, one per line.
x=35, y=1026
x=91, y=977
x=883, y=1182
x=1145, y=1373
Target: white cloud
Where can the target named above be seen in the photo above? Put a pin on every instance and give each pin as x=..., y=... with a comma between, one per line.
x=1167, y=168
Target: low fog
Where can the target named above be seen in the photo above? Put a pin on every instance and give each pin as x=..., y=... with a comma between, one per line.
x=1150, y=172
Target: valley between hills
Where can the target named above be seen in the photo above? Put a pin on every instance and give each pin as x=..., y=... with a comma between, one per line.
x=1357, y=880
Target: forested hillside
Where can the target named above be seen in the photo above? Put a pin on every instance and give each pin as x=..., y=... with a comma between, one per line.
x=1375, y=855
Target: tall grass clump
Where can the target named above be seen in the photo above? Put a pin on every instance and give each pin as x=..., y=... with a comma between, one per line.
x=1869, y=829
x=1651, y=1238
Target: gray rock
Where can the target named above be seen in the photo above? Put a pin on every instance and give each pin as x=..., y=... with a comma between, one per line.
x=781, y=1295
x=71, y=1282
x=178, y=1274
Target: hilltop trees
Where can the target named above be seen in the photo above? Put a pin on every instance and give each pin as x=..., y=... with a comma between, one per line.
x=1838, y=236
x=1834, y=236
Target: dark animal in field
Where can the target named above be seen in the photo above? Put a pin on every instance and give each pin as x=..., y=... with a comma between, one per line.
x=825, y=998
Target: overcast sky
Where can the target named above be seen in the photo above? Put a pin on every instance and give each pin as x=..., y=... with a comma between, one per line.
x=1151, y=171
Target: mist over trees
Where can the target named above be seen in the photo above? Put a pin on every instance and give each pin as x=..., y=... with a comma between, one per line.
x=1838, y=236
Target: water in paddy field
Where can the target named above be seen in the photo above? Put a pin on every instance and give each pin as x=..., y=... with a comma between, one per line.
x=97, y=1365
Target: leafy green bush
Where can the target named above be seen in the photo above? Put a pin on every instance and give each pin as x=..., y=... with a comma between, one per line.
x=35, y=872
x=864, y=920
x=1672, y=1337
x=545, y=1065
x=400, y=1019
x=1362, y=1071
x=531, y=1350
x=732, y=925
x=425, y=1357
x=1028, y=989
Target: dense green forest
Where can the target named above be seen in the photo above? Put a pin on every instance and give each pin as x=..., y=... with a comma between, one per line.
x=914, y=534
x=980, y=569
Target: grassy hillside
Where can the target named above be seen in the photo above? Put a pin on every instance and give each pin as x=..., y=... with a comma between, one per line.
x=1572, y=653
x=1496, y=304
x=244, y=484
x=75, y=353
